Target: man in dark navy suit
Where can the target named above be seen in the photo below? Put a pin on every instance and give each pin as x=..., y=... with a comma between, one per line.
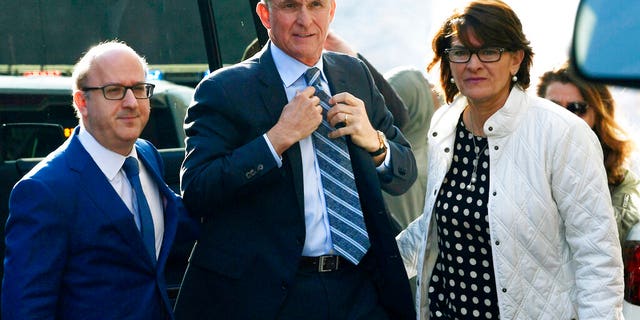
x=252, y=173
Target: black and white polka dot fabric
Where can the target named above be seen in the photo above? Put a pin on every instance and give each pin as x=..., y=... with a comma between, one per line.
x=462, y=283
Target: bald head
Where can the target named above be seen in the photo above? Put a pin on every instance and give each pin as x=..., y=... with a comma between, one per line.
x=87, y=62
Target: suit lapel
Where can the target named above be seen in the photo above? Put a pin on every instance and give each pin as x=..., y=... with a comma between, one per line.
x=336, y=76
x=271, y=90
x=168, y=198
x=274, y=99
x=108, y=204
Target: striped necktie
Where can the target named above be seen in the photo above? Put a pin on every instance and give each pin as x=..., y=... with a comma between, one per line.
x=348, y=231
x=132, y=169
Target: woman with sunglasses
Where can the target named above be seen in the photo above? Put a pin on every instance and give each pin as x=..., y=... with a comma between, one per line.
x=595, y=105
x=518, y=221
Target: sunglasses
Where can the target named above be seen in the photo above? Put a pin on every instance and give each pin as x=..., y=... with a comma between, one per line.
x=579, y=108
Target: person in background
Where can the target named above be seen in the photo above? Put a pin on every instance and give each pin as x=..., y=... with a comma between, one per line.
x=393, y=102
x=82, y=242
x=518, y=221
x=595, y=105
x=266, y=172
x=421, y=102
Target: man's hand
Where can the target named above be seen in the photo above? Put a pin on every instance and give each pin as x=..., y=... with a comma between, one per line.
x=299, y=118
x=357, y=125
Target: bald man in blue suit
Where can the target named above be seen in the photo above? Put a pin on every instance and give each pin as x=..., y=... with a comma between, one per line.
x=73, y=239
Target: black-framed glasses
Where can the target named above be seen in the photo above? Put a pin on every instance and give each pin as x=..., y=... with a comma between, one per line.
x=117, y=91
x=576, y=107
x=463, y=55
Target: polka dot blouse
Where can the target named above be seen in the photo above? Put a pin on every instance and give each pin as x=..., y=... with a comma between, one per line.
x=462, y=284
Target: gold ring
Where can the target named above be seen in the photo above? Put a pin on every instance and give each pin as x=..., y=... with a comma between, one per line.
x=346, y=119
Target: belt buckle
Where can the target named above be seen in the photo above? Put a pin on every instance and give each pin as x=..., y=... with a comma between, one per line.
x=327, y=263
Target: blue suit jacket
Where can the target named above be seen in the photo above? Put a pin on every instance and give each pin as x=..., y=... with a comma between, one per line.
x=253, y=210
x=72, y=247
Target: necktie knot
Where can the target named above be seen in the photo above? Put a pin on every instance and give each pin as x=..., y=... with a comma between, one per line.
x=312, y=76
x=131, y=168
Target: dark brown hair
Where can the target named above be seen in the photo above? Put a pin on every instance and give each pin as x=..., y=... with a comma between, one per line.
x=494, y=24
x=616, y=149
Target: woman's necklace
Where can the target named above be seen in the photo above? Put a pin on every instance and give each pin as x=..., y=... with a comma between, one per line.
x=474, y=176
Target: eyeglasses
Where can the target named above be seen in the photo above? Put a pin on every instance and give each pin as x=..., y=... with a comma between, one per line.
x=117, y=92
x=576, y=107
x=463, y=55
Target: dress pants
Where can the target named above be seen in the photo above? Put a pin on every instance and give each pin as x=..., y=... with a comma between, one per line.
x=347, y=293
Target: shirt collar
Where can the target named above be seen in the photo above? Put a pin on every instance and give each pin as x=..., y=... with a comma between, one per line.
x=291, y=69
x=108, y=161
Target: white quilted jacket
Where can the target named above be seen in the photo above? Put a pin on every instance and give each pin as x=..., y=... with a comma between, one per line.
x=555, y=247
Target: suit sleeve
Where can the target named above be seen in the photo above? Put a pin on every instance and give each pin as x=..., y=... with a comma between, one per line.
x=403, y=171
x=226, y=155
x=36, y=248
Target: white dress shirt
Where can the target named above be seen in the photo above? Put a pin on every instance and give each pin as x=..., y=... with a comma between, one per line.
x=110, y=163
x=318, y=236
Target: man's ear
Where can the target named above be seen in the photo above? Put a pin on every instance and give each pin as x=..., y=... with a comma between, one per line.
x=263, y=13
x=80, y=101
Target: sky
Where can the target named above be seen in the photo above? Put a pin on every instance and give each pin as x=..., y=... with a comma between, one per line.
x=391, y=33
x=399, y=32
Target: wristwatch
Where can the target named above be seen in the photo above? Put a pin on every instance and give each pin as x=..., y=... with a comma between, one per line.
x=383, y=146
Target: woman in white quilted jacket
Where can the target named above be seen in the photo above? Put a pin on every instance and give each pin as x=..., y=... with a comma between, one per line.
x=518, y=221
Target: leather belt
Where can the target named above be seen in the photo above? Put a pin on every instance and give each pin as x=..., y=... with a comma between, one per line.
x=326, y=263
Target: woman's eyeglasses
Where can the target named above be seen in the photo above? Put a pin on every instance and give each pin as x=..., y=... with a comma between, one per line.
x=463, y=55
x=577, y=107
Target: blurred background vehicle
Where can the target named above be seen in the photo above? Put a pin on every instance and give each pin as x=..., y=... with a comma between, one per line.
x=605, y=51
x=40, y=42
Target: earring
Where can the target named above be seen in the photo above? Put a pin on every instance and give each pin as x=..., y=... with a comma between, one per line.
x=514, y=78
x=452, y=80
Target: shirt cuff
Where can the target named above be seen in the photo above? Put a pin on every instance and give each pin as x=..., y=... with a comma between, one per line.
x=273, y=151
x=386, y=164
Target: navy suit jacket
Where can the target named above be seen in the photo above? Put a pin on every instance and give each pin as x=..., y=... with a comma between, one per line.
x=72, y=247
x=253, y=211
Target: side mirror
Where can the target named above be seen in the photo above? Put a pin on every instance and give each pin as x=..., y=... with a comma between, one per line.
x=29, y=140
x=604, y=46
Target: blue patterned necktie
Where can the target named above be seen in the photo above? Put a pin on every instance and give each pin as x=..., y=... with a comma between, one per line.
x=348, y=230
x=132, y=169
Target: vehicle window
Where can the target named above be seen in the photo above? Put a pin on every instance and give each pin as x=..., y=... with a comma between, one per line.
x=37, y=108
x=27, y=140
x=58, y=109
x=235, y=25
x=161, y=129
x=167, y=32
